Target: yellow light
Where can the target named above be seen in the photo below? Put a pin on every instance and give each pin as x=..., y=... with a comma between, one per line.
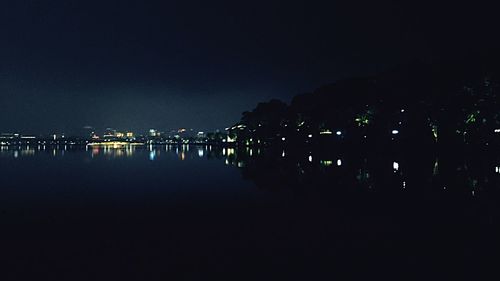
x=326, y=132
x=114, y=144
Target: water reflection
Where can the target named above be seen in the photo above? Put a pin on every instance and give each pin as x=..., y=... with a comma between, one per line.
x=470, y=173
x=152, y=155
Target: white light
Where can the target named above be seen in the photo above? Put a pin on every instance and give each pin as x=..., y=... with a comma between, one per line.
x=283, y=138
x=404, y=184
x=497, y=130
x=395, y=166
x=310, y=158
x=310, y=136
x=283, y=154
x=339, y=133
x=395, y=132
x=402, y=110
x=339, y=162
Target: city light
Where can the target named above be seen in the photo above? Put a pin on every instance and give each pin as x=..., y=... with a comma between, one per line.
x=395, y=166
x=326, y=163
x=114, y=144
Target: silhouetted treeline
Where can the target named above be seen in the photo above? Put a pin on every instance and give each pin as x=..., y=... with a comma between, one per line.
x=445, y=103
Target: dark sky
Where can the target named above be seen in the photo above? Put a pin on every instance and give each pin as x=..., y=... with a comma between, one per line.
x=199, y=64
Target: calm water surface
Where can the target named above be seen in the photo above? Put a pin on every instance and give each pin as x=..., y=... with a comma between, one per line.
x=198, y=213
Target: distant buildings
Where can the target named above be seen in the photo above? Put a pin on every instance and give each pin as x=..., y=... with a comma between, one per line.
x=111, y=135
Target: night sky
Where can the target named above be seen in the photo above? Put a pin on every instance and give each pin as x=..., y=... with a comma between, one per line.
x=198, y=64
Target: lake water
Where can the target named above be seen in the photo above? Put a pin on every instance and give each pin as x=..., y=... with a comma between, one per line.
x=201, y=212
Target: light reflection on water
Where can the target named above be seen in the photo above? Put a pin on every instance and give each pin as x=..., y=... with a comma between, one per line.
x=291, y=168
x=250, y=197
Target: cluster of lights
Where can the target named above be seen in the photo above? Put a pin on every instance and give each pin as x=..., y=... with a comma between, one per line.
x=326, y=162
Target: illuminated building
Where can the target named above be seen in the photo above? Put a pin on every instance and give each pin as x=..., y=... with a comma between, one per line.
x=154, y=133
x=8, y=136
x=109, y=134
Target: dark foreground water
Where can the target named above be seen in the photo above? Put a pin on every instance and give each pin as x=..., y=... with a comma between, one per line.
x=207, y=213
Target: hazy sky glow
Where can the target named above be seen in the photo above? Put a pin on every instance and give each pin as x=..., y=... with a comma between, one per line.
x=199, y=64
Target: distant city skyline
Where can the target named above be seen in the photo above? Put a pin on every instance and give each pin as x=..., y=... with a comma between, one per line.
x=88, y=130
